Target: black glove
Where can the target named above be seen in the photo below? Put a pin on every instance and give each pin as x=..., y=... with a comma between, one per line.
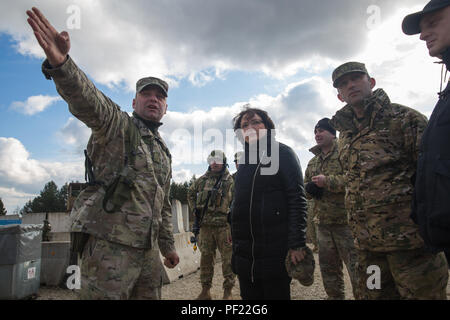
x=315, y=191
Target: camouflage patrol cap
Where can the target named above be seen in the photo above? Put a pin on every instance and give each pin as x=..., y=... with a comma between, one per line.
x=217, y=156
x=148, y=81
x=347, y=68
x=304, y=270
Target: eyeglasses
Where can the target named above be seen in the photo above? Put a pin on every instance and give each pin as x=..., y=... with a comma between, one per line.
x=252, y=123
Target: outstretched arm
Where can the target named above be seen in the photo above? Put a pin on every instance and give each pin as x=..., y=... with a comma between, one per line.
x=85, y=101
x=56, y=45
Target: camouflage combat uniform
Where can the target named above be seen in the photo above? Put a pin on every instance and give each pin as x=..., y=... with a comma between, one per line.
x=214, y=231
x=334, y=236
x=121, y=259
x=379, y=152
x=311, y=233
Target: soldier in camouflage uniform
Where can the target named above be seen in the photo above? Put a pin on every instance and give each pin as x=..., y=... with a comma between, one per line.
x=333, y=233
x=214, y=187
x=125, y=210
x=378, y=147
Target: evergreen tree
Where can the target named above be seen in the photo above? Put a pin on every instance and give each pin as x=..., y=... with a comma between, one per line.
x=179, y=191
x=49, y=200
x=2, y=208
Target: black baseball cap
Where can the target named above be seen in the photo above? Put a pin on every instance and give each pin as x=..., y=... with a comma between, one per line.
x=411, y=23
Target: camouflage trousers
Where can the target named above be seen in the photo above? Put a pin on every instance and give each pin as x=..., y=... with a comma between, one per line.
x=116, y=272
x=335, y=247
x=404, y=274
x=311, y=230
x=210, y=239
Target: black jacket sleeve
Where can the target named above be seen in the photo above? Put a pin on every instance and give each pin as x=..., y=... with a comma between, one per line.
x=292, y=178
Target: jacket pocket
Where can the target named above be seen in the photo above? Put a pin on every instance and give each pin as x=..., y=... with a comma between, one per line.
x=158, y=202
x=274, y=208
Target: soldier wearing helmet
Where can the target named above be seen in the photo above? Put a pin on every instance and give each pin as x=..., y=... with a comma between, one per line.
x=210, y=196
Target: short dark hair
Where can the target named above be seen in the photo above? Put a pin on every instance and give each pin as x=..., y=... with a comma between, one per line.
x=268, y=123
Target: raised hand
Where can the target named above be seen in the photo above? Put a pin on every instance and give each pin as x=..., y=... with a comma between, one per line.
x=55, y=45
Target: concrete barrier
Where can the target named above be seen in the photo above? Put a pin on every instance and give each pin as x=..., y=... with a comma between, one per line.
x=177, y=217
x=189, y=259
x=34, y=218
x=185, y=212
x=58, y=220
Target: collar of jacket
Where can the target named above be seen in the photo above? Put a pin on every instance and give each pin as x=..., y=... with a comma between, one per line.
x=317, y=151
x=145, y=131
x=343, y=119
x=151, y=125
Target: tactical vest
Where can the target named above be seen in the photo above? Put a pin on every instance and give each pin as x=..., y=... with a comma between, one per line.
x=127, y=208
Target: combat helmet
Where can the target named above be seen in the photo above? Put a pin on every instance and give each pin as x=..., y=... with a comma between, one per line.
x=304, y=270
x=217, y=156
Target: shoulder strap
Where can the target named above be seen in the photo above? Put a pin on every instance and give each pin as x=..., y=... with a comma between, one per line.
x=132, y=141
x=119, y=190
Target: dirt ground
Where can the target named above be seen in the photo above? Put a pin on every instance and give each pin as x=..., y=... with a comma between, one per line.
x=188, y=287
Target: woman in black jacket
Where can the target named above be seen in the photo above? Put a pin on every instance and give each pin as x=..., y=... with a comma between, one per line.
x=268, y=217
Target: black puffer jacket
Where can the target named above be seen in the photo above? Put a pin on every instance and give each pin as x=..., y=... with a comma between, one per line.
x=431, y=208
x=268, y=213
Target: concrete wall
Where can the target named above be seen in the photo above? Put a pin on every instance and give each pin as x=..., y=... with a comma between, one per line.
x=10, y=217
x=58, y=220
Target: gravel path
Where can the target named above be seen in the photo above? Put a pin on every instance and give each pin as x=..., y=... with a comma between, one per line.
x=188, y=287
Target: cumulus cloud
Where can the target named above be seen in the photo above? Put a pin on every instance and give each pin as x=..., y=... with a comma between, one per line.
x=401, y=64
x=22, y=175
x=121, y=41
x=12, y=198
x=34, y=104
x=295, y=111
x=181, y=175
x=74, y=136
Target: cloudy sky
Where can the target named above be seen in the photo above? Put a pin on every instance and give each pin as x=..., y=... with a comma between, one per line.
x=216, y=56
